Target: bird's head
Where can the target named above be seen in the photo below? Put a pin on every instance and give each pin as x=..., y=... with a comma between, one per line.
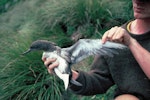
x=43, y=45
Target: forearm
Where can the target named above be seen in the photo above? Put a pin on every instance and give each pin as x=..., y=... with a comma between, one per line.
x=141, y=55
x=91, y=83
x=96, y=81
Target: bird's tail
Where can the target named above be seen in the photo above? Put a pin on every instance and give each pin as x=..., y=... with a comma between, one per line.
x=64, y=77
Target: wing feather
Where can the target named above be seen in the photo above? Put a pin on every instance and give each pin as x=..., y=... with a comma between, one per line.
x=86, y=47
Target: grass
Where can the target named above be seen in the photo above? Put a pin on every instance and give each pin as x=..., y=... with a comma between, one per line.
x=25, y=77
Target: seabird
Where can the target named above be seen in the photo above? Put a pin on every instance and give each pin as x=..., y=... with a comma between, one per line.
x=74, y=54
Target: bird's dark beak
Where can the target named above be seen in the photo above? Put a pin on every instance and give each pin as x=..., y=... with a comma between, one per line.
x=29, y=50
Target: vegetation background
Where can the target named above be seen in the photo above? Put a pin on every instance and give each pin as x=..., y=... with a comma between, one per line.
x=23, y=21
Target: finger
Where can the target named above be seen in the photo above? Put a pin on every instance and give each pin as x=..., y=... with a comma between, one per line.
x=112, y=32
x=52, y=66
x=104, y=37
x=118, y=40
x=109, y=34
x=118, y=35
x=43, y=59
x=115, y=37
x=49, y=61
x=50, y=71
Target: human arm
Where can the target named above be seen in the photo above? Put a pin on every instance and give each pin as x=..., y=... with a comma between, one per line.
x=98, y=80
x=118, y=34
x=142, y=56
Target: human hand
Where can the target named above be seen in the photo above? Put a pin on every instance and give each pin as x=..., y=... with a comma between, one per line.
x=50, y=64
x=117, y=34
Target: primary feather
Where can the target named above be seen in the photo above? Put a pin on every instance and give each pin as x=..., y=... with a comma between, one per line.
x=74, y=54
x=86, y=47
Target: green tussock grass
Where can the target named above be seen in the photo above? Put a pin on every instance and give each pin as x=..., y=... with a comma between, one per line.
x=25, y=77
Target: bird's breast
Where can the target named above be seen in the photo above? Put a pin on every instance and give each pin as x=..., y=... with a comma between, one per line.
x=63, y=65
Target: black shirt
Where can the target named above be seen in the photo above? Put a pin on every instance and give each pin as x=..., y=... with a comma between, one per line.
x=122, y=70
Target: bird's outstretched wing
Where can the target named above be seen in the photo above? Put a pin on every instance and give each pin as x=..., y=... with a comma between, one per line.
x=86, y=47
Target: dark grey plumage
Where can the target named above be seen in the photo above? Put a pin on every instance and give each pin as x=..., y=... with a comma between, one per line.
x=74, y=54
x=43, y=45
x=86, y=47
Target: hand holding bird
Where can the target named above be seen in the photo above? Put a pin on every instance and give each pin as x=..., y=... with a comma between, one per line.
x=74, y=54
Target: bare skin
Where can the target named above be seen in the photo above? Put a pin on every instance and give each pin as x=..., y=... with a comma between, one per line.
x=117, y=34
x=140, y=25
x=126, y=97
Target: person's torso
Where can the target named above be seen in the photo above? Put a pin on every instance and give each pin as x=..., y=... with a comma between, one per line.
x=126, y=72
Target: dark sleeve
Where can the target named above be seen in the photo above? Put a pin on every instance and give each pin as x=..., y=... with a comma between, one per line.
x=97, y=81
